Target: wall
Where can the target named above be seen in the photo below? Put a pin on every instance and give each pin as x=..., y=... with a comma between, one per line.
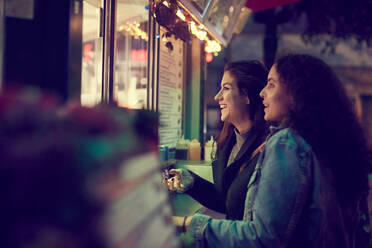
x=40, y=50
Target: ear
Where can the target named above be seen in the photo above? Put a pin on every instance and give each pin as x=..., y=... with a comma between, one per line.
x=247, y=100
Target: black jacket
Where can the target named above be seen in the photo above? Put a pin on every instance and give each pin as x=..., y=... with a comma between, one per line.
x=227, y=194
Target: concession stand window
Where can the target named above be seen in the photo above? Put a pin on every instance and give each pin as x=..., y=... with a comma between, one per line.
x=128, y=58
x=91, y=71
x=131, y=54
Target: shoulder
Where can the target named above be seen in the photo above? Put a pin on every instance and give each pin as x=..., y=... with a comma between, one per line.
x=288, y=141
x=289, y=138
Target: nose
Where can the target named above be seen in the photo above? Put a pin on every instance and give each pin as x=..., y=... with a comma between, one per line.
x=218, y=96
x=262, y=93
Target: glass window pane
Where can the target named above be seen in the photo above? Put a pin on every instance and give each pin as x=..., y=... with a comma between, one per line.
x=91, y=75
x=130, y=86
x=221, y=15
x=200, y=5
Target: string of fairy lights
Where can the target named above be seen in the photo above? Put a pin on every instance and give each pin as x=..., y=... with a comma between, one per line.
x=199, y=31
x=212, y=46
x=133, y=29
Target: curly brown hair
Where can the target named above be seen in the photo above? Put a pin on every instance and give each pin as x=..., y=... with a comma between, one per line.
x=324, y=116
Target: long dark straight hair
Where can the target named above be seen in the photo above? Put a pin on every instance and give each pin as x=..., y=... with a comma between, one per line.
x=251, y=77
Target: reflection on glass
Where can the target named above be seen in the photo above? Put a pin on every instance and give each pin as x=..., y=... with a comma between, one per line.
x=221, y=15
x=130, y=86
x=91, y=75
x=200, y=5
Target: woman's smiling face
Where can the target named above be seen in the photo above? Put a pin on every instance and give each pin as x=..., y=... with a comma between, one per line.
x=233, y=103
x=276, y=98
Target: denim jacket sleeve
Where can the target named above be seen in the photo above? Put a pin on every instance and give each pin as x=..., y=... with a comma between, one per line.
x=274, y=201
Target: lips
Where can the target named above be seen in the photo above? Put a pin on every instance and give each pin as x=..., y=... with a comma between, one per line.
x=223, y=106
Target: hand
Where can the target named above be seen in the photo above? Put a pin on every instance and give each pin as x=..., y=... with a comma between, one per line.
x=176, y=182
x=182, y=180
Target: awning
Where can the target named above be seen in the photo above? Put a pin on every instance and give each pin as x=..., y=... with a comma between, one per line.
x=258, y=5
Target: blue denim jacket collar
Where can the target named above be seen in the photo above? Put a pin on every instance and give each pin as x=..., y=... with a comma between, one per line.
x=274, y=129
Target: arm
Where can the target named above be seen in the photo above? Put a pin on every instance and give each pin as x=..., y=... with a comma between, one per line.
x=205, y=193
x=198, y=188
x=276, y=190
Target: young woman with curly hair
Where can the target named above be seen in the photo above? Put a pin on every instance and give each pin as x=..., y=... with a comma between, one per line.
x=310, y=183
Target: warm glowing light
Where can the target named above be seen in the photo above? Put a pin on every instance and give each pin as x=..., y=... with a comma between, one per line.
x=208, y=57
x=86, y=52
x=212, y=46
x=134, y=30
x=181, y=15
x=139, y=55
x=201, y=34
x=225, y=19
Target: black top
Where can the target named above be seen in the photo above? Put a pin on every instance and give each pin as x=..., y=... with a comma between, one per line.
x=227, y=194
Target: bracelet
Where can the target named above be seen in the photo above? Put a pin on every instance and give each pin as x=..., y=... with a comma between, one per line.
x=184, y=224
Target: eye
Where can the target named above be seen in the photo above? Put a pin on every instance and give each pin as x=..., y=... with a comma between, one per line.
x=270, y=85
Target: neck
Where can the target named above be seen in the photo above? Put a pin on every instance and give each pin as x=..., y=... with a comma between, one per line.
x=244, y=126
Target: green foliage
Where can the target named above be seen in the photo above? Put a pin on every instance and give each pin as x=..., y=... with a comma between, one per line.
x=327, y=22
x=341, y=19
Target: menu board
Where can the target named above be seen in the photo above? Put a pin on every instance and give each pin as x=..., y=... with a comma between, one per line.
x=170, y=94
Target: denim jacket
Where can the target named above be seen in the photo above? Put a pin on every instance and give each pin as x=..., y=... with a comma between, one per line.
x=289, y=203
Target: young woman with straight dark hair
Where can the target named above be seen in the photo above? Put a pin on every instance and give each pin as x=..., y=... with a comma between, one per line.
x=243, y=132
